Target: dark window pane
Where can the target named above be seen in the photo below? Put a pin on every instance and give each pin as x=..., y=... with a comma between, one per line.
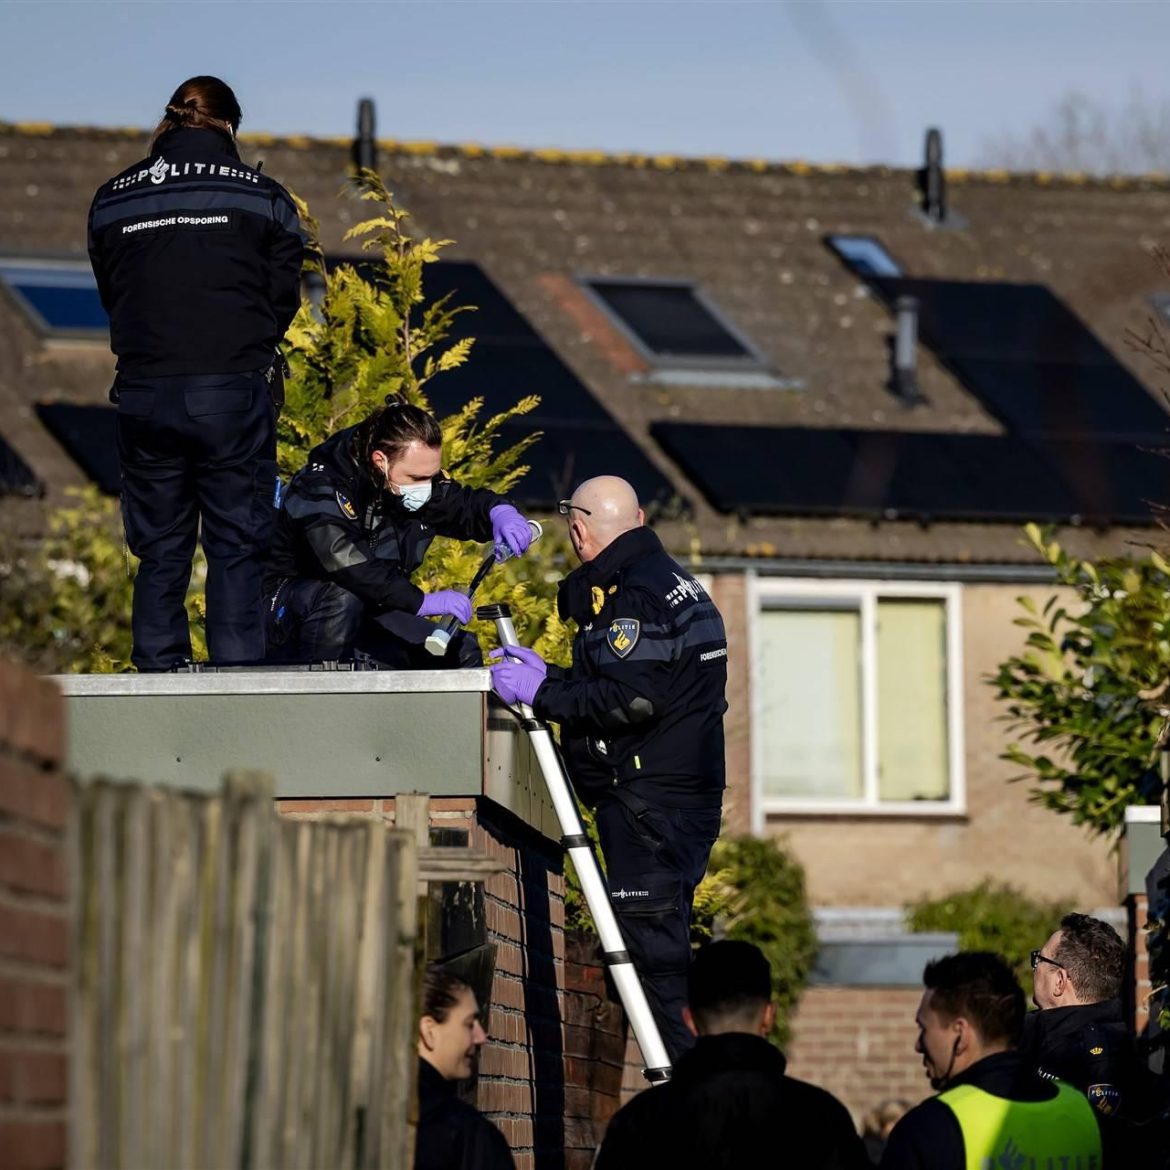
x=669, y=320
x=60, y=297
x=89, y=435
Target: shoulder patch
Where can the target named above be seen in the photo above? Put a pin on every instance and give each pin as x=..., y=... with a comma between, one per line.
x=622, y=635
x=1105, y=1099
x=347, y=509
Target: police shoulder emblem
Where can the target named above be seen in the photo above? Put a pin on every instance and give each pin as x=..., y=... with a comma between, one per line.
x=347, y=509
x=1106, y=1099
x=598, y=599
x=1096, y=1051
x=622, y=635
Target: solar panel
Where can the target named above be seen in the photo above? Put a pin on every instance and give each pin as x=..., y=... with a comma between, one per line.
x=60, y=297
x=1029, y=359
x=865, y=255
x=669, y=320
x=89, y=434
x=16, y=477
x=914, y=474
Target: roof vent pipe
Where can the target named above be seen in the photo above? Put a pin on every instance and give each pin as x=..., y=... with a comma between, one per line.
x=904, y=378
x=365, y=148
x=932, y=180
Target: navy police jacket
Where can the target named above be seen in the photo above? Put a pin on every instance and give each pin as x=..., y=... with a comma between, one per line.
x=643, y=702
x=335, y=524
x=197, y=258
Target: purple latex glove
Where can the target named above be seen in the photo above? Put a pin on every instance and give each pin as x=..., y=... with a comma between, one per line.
x=510, y=531
x=518, y=677
x=446, y=601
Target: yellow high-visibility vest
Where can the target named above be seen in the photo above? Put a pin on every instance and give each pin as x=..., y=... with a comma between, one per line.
x=1059, y=1134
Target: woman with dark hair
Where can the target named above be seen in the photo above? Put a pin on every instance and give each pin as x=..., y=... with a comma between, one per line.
x=354, y=525
x=452, y=1135
x=198, y=260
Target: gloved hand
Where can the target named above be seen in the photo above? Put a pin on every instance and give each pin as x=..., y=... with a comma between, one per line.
x=518, y=677
x=510, y=531
x=446, y=601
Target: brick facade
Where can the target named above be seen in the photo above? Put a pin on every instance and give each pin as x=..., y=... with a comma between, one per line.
x=858, y=1042
x=35, y=803
x=1138, y=941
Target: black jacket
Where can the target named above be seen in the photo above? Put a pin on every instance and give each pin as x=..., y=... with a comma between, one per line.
x=1090, y=1047
x=197, y=259
x=643, y=702
x=335, y=525
x=730, y=1106
x=453, y=1135
x=929, y=1136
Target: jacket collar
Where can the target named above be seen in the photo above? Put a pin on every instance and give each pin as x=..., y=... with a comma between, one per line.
x=186, y=141
x=575, y=596
x=728, y=1051
x=434, y=1090
x=1051, y=1022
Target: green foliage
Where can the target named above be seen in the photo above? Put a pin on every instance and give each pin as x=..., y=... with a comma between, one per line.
x=1088, y=693
x=991, y=917
x=65, y=601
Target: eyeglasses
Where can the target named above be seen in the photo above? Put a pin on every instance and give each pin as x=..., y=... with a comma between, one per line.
x=1037, y=958
x=564, y=507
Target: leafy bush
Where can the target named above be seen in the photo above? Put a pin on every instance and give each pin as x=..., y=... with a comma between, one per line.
x=1090, y=685
x=991, y=917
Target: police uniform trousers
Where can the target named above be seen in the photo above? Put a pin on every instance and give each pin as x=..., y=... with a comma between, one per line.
x=198, y=456
x=655, y=856
x=319, y=621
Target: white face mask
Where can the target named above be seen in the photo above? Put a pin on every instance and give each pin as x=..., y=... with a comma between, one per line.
x=414, y=495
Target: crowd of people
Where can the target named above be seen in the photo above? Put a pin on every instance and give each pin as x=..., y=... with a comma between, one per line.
x=1062, y=1087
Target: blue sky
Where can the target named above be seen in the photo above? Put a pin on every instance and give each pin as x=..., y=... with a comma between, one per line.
x=823, y=80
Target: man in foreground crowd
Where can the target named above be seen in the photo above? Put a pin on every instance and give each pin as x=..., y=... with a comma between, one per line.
x=993, y=1108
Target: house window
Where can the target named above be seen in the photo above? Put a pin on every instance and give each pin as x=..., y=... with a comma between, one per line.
x=857, y=698
x=865, y=255
x=60, y=296
x=681, y=333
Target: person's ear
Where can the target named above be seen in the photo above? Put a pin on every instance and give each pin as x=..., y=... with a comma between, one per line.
x=576, y=534
x=768, y=1018
x=426, y=1033
x=641, y=516
x=689, y=1019
x=379, y=461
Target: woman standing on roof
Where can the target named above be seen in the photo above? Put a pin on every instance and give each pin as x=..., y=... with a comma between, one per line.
x=198, y=262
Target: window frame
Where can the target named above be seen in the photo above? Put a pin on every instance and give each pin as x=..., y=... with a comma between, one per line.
x=753, y=360
x=831, y=242
x=810, y=593
x=49, y=264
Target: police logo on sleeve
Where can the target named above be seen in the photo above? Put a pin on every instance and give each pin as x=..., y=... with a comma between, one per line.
x=347, y=509
x=622, y=635
x=1105, y=1099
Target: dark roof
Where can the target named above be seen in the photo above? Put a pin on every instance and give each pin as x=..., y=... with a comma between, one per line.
x=751, y=234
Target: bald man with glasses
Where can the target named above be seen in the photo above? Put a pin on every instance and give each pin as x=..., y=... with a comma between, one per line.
x=1080, y=1035
x=641, y=717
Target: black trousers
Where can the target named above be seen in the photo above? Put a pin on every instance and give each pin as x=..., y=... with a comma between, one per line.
x=197, y=453
x=318, y=621
x=655, y=856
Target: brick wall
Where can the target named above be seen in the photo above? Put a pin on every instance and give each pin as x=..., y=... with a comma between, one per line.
x=35, y=801
x=858, y=1042
x=1137, y=907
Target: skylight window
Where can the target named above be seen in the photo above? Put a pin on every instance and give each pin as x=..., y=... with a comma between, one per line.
x=865, y=255
x=671, y=321
x=59, y=296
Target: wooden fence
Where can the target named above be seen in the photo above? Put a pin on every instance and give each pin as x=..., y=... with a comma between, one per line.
x=244, y=988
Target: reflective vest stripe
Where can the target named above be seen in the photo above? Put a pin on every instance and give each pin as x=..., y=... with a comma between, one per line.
x=1058, y=1134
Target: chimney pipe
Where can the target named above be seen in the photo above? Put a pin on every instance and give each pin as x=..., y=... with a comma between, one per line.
x=904, y=378
x=365, y=148
x=932, y=179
